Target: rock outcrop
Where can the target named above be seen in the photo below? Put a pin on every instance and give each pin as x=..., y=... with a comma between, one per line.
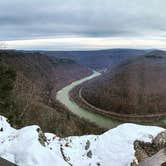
x=151, y=154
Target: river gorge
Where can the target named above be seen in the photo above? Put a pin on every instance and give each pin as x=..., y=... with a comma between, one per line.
x=64, y=97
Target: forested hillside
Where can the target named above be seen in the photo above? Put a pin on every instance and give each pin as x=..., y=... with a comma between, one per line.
x=137, y=87
x=28, y=86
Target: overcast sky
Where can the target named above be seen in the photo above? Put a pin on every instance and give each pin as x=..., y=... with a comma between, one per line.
x=83, y=24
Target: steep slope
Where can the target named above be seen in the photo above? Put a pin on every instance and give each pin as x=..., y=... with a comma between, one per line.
x=44, y=68
x=137, y=87
x=38, y=78
x=29, y=146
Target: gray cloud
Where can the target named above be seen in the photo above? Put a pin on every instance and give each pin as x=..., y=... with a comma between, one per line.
x=97, y=18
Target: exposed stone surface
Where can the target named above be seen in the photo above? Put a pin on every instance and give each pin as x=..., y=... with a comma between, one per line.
x=89, y=154
x=151, y=154
x=87, y=145
x=156, y=160
x=4, y=162
x=42, y=138
x=160, y=140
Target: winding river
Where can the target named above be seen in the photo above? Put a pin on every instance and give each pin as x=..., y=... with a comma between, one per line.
x=64, y=98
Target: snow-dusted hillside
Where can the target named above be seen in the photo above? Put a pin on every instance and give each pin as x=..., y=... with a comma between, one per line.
x=29, y=147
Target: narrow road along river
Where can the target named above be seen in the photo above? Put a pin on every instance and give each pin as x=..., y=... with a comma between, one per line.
x=64, y=98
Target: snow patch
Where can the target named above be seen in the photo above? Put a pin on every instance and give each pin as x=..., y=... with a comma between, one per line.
x=114, y=147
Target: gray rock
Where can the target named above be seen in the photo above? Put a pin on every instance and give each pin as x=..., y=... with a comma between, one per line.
x=42, y=138
x=89, y=154
x=156, y=160
x=4, y=162
x=160, y=140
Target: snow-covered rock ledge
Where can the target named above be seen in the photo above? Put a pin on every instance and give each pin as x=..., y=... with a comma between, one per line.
x=30, y=147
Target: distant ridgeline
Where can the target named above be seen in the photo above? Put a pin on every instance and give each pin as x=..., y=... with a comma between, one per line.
x=99, y=59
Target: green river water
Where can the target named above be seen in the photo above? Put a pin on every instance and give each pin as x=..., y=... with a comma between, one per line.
x=63, y=97
x=100, y=120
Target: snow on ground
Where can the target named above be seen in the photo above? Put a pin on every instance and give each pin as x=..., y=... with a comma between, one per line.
x=113, y=148
x=23, y=148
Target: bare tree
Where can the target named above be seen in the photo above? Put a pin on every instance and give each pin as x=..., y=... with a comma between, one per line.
x=26, y=91
x=3, y=45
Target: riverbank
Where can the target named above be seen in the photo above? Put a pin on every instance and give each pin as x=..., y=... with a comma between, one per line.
x=63, y=96
x=76, y=96
x=152, y=119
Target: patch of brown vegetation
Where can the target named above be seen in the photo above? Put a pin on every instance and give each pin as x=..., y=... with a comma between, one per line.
x=38, y=79
x=137, y=88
